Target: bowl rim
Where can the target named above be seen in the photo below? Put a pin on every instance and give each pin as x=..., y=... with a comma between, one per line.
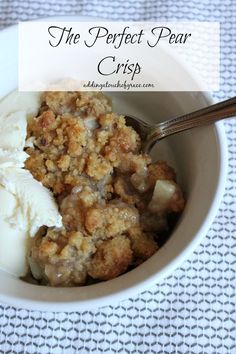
x=105, y=300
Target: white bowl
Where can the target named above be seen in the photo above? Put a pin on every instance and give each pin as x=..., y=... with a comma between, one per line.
x=200, y=157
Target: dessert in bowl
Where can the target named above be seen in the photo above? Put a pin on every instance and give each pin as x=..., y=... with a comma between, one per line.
x=116, y=251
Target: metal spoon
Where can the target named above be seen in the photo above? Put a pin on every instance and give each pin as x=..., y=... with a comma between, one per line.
x=151, y=133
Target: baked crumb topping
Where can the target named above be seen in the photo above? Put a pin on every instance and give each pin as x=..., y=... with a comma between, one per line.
x=112, y=208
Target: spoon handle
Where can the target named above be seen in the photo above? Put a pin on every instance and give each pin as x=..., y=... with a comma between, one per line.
x=211, y=114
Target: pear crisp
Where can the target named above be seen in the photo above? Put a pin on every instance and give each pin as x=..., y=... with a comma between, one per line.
x=115, y=202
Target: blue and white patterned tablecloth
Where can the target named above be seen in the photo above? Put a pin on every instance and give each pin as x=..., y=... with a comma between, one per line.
x=194, y=309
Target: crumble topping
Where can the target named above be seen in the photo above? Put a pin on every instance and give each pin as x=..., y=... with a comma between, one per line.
x=113, y=209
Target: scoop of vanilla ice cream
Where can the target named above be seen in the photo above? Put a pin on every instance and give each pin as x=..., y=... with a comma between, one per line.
x=36, y=205
x=20, y=101
x=13, y=241
x=25, y=205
